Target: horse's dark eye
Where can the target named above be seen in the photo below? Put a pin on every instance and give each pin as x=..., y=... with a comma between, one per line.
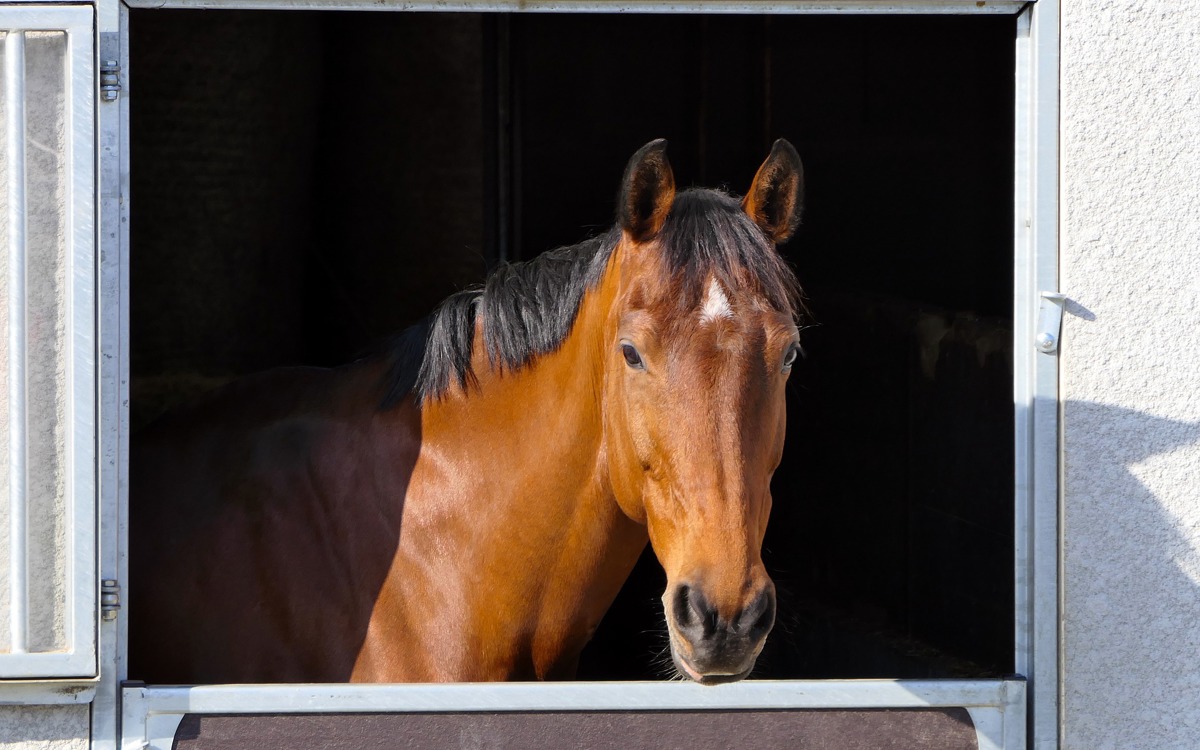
x=789, y=358
x=632, y=358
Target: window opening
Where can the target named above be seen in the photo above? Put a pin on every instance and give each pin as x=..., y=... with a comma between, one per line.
x=309, y=183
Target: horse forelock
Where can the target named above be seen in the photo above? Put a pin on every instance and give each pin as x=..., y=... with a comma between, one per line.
x=528, y=309
x=708, y=238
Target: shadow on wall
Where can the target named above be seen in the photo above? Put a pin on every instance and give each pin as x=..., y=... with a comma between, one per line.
x=1132, y=578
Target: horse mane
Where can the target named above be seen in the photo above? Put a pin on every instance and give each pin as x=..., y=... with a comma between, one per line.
x=529, y=308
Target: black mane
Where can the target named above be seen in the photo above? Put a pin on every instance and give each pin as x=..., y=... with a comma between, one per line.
x=528, y=308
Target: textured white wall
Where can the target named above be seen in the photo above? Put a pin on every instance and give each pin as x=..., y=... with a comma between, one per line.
x=1131, y=373
x=44, y=727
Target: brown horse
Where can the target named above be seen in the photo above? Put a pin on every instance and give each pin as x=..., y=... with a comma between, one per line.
x=466, y=504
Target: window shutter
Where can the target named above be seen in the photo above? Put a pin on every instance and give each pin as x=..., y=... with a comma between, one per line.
x=47, y=343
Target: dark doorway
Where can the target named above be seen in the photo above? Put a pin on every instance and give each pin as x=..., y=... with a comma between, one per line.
x=305, y=184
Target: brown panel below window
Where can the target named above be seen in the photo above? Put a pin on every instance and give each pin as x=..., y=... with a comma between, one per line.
x=929, y=729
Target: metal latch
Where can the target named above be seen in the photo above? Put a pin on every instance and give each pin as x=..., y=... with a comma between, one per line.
x=1049, y=327
x=110, y=599
x=110, y=80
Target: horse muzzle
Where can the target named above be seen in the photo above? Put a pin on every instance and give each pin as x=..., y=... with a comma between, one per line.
x=709, y=647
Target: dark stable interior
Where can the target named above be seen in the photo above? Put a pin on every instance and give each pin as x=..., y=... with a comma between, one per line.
x=305, y=184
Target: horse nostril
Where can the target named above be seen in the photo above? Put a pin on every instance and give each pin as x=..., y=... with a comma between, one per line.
x=760, y=615
x=692, y=611
x=683, y=605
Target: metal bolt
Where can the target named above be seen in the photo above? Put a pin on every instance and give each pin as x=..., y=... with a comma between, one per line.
x=1046, y=342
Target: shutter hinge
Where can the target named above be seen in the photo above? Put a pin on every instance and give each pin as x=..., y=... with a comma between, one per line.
x=1049, y=329
x=110, y=599
x=110, y=80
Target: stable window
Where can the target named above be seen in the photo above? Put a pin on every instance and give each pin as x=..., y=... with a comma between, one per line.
x=304, y=183
x=48, y=373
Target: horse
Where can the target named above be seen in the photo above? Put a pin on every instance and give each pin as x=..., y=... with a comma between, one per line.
x=465, y=503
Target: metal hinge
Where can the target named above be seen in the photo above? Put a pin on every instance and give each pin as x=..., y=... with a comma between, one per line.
x=1049, y=329
x=110, y=599
x=110, y=80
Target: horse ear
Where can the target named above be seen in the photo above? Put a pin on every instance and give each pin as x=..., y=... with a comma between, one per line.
x=647, y=191
x=776, y=197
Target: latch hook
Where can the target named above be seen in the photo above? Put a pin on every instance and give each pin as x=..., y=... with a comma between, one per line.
x=1050, y=312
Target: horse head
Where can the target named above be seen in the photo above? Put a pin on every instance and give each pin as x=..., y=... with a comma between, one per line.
x=701, y=338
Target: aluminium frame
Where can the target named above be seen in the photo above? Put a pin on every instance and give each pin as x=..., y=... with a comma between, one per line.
x=146, y=710
x=997, y=708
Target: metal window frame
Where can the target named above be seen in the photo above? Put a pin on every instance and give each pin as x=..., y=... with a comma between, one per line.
x=1035, y=369
x=826, y=7
x=997, y=708
x=1027, y=714
x=78, y=660
x=112, y=32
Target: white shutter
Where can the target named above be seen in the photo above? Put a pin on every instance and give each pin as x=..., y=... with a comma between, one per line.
x=47, y=343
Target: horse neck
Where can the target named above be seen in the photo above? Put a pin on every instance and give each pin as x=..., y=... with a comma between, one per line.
x=546, y=418
x=533, y=443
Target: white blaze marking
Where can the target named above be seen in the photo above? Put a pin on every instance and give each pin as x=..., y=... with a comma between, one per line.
x=716, y=304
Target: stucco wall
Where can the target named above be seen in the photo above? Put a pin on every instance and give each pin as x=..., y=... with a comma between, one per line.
x=43, y=727
x=1131, y=373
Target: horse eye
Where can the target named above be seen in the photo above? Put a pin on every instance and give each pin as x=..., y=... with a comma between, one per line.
x=632, y=358
x=790, y=358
